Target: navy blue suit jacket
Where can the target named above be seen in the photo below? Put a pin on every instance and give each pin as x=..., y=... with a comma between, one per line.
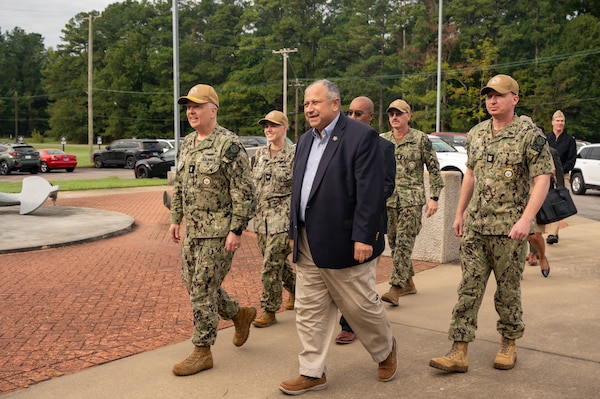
x=346, y=202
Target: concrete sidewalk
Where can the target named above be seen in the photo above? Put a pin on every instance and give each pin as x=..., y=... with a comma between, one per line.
x=559, y=356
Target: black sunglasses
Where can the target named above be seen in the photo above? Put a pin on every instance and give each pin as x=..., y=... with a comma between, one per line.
x=357, y=113
x=395, y=112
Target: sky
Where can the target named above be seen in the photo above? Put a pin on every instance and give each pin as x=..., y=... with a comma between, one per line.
x=46, y=17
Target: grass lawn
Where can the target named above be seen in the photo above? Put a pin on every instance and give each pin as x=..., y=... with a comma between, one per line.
x=92, y=184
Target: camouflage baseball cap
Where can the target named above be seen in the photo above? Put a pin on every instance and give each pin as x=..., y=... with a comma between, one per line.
x=400, y=105
x=275, y=117
x=502, y=84
x=200, y=94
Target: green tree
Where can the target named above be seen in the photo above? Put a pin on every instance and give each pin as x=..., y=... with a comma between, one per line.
x=384, y=49
x=22, y=56
x=570, y=85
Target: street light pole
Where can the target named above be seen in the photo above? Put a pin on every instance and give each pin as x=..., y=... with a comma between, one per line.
x=90, y=87
x=438, y=113
x=176, y=112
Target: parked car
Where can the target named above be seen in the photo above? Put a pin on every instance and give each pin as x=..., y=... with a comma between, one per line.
x=18, y=158
x=51, y=158
x=166, y=144
x=155, y=166
x=252, y=143
x=457, y=140
x=450, y=158
x=581, y=143
x=586, y=172
x=126, y=152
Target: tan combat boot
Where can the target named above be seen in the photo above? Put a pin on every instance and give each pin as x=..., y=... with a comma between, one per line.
x=396, y=292
x=409, y=287
x=265, y=320
x=455, y=360
x=200, y=359
x=392, y=295
x=289, y=305
x=242, y=321
x=507, y=354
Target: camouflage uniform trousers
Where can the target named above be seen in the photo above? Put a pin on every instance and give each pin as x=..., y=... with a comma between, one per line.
x=204, y=267
x=404, y=224
x=481, y=255
x=277, y=273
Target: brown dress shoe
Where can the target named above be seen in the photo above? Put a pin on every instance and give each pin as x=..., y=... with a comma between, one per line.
x=345, y=337
x=387, y=368
x=303, y=384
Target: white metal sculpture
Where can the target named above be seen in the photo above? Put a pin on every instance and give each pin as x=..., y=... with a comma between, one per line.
x=34, y=192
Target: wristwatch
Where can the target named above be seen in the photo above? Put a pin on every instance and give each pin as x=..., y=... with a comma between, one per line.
x=237, y=232
x=435, y=198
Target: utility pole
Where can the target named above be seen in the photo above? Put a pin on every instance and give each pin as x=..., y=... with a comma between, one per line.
x=285, y=52
x=90, y=86
x=16, y=97
x=297, y=85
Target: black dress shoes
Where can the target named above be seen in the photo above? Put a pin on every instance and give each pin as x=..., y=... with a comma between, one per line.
x=546, y=272
x=552, y=239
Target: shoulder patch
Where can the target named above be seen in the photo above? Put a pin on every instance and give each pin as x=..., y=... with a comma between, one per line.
x=539, y=143
x=232, y=151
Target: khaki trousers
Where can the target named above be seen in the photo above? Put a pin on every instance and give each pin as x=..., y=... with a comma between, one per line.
x=320, y=293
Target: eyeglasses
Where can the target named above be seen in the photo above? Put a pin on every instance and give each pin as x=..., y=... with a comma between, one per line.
x=395, y=112
x=357, y=113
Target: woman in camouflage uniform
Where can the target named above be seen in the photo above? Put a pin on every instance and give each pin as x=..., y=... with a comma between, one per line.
x=272, y=174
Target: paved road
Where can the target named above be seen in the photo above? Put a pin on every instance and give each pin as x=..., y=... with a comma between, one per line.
x=588, y=205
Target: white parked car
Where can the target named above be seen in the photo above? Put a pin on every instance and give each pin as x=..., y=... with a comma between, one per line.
x=166, y=144
x=450, y=158
x=586, y=172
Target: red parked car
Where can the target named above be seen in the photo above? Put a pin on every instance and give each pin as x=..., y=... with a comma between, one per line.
x=51, y=158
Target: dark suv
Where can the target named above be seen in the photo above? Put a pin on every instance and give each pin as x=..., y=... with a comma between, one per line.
x=18, y=157
x=127, y=152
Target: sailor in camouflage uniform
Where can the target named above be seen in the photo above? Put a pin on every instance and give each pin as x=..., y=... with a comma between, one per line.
x=272, y=175
x=405, y=207
x=213, y=190
x=494, y=217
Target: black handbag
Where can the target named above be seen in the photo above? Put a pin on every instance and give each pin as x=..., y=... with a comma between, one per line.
x=558, y=205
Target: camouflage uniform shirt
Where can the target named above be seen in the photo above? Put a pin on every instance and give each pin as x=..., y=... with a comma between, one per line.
x=503, y=167
x=273, y=181
x=213, y=187
x=412, y=152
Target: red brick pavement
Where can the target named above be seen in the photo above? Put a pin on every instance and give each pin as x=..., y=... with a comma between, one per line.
x=66, y=309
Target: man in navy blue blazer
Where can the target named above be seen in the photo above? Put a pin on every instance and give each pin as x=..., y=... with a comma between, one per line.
x=337, y=227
